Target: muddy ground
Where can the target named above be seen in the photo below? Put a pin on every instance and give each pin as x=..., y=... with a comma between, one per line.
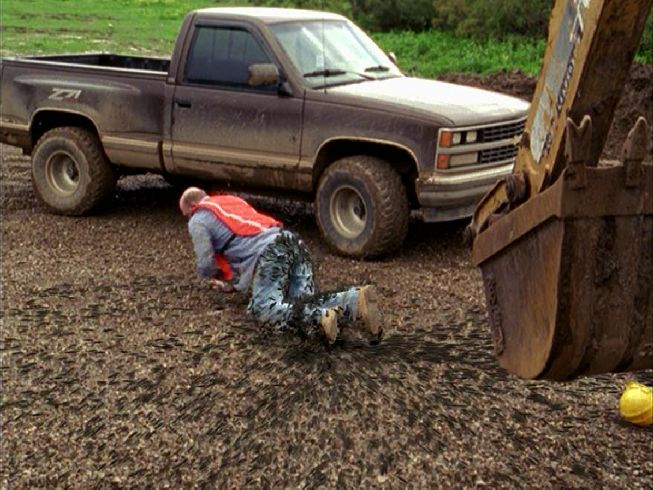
x=120, y=368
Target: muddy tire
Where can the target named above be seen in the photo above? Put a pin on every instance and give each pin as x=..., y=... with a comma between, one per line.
x=362, y=207
x=70, y=173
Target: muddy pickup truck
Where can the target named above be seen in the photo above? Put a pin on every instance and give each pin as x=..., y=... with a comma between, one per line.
x=299, y=102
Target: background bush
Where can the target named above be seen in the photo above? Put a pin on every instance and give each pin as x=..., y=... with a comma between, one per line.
x=493, y=18
x=479, y=19
x=343, y=7
x=390, y=15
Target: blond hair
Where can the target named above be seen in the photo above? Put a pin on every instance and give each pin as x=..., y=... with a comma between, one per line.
x=189, y=198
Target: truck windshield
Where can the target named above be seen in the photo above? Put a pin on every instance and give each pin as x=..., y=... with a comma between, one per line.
x=333, y=52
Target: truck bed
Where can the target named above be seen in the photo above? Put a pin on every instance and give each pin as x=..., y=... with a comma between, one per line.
x=122, y=97
x=108, y=61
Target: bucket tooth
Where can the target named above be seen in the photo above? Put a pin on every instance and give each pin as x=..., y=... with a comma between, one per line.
x=635, y=149
x=578, y=144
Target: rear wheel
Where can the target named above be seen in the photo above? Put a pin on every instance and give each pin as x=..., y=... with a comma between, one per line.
x=70, y=173
x=362, y=207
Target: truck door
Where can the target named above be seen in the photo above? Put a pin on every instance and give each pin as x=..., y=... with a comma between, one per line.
x=225, y=129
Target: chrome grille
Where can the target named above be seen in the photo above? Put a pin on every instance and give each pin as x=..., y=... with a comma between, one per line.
x=503, y=132
x=498, y=154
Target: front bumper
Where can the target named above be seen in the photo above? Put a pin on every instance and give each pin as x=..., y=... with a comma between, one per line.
x=448, y=196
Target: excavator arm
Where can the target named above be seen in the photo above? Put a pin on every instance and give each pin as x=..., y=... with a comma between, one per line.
x=565, y=244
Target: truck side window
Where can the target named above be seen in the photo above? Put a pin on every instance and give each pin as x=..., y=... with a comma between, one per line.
x=222, y=55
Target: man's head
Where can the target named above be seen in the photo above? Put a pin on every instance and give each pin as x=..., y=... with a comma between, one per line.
x=191, y=197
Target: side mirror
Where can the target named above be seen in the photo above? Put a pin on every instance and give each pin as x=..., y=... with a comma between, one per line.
x=263, y=74
x=392, y=57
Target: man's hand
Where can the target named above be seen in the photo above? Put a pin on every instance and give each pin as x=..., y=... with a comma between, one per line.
x=221, y=286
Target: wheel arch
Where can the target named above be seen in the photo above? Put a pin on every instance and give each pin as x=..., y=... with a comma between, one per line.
x=401, y=158
x=43, y=120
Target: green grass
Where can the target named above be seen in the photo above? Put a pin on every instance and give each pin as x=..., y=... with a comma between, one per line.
x=68, y=26
x=432, y=53
x=149, y=27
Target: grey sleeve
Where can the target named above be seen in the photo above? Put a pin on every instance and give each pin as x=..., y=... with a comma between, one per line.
x=203, y=247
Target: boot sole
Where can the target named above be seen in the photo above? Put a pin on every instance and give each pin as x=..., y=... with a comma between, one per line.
x=371, y=312
x=329, y=325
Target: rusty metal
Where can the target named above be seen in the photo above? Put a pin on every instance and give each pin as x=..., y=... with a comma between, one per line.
x=635, y=149
x=516, y=188
x=577, y=149
x=568, y=275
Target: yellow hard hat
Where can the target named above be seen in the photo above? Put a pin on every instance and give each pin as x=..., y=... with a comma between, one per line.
x=636, y=404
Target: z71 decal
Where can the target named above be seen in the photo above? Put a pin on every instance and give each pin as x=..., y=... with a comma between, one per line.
x=65, y=94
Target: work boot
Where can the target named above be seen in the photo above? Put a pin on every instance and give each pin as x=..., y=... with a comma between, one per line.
x=329, y=323
x=368, y=311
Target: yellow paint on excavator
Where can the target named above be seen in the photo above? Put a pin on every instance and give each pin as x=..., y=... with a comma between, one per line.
x=565, y=245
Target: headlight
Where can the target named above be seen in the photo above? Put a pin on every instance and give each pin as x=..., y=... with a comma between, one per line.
x=463, y=159
x=449, y=138
x=452, y=138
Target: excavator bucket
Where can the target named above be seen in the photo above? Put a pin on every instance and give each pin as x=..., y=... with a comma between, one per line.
x=565, y=244
x=568, y=275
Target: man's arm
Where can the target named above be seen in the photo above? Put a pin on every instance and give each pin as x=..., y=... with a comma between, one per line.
x=209, y=234
x=203, y=246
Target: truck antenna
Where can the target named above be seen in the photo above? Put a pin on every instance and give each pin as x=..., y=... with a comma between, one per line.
x=323, y=50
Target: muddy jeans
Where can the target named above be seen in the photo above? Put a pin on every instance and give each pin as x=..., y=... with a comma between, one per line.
x=283, y=289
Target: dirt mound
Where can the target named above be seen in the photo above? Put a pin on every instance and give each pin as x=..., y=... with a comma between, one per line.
x=513, y=82
x=637, y=98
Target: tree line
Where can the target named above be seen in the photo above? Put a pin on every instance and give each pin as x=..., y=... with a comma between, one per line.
x=478, y=18
x=484, y=19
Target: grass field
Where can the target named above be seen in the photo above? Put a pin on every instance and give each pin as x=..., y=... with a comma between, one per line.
x=150, y=27
x=58, y=26
x=431, y=53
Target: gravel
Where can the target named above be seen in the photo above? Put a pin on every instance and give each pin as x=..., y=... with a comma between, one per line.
x=120, y=368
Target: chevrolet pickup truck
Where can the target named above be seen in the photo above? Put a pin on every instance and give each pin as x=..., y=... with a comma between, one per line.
x=299, y=102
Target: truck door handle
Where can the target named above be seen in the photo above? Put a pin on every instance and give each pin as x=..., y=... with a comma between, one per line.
x=183, y=103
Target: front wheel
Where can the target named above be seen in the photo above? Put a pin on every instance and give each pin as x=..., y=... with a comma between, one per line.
x=70, y=173
x=362, y=207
